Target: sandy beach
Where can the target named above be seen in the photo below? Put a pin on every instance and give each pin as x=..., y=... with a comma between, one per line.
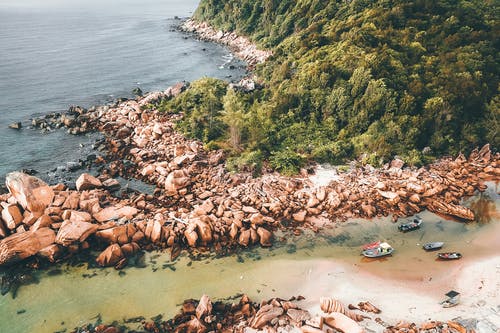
x=411, y=300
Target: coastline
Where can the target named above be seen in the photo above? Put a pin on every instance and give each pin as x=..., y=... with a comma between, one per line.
x=241, y=46
x=199, y=205
x=402, y=305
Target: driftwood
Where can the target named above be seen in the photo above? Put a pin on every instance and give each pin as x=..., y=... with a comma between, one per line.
x=25, y=244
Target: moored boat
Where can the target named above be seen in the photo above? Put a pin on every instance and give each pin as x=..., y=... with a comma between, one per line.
x=449, y=255
x=383, y=249
x=433, y=246
x=411, y=225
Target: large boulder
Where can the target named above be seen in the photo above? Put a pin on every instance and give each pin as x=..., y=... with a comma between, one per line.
x=112, y=235
x=441, y=207
x=115, y=213
x=176, y=180
x=342, y=323
x=204, y=229
x=204, y=308
x=110, y=256
x=265, y=314
x=74, y=232
x=154, y=229
x=87, y=182
x=51, y=252
x=11, y=215
x=265, y=237
x=30, y=192
x=22, y=245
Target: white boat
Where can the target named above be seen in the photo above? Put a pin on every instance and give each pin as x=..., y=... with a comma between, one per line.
x=452, y=299
x=383, y=249
x=433, y=246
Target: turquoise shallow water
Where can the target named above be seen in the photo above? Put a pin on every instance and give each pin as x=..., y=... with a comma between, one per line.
x=80, y=295
x=56, y=53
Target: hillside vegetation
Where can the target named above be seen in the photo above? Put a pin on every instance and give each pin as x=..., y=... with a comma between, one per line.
x=370, y=78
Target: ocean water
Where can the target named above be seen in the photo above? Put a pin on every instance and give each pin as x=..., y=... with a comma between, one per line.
x=58, y=53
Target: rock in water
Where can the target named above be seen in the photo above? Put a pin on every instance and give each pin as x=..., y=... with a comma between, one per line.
x=137, y=91
x=110, y=256
x=16, y=126
x=30, y=192
x=25, y=244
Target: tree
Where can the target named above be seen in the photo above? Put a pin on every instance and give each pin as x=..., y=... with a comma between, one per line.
x=233, y=115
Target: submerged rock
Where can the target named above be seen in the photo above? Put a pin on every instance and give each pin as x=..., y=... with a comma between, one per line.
x=16, y=125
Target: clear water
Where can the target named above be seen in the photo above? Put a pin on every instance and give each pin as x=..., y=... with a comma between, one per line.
x=57, y=53
x=311, y=265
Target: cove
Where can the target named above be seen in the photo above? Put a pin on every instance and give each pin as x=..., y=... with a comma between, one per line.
x=309, y=264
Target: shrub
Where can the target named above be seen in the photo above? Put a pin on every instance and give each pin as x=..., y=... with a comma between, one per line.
x=286, y=161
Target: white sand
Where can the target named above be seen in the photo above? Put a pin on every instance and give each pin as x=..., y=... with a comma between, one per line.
x=414, y=301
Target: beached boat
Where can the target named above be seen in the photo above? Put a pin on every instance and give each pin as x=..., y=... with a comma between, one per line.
x=452, y=299
x=433, y=246
x=383, y=249
x=411, y=225
x=449, y=255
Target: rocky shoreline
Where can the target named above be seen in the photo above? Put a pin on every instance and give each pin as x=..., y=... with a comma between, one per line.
x=197, y=203
x=241, y=46
x=280, y=315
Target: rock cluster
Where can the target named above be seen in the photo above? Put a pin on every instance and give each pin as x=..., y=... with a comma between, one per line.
x=199, y=204
x=193, y=183
x=241, y=46
x=278, y=315
x=52, y=221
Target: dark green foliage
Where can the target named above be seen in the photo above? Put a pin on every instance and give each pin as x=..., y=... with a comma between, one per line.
x=201, y=105
x=379, y=78
x=248, y=162
x=286, y=161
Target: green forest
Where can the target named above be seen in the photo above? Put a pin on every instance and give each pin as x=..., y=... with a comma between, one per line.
x=367, y=79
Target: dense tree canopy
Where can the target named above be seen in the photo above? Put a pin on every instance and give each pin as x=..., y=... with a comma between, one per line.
x=378, y=78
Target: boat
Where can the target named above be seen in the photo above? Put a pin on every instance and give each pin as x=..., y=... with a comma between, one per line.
x=449, y=255
x=371, y=245
x=411, y=225
x=433, y=246
x=383, y=249
x=452, y=299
